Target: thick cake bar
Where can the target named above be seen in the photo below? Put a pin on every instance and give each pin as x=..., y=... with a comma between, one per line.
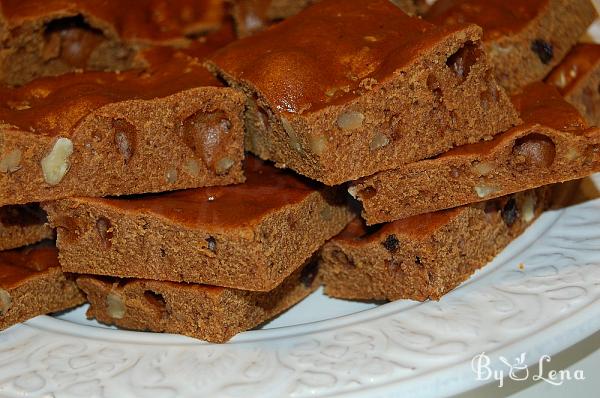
x=58, y=36
x=524, y=39
x=553, y=145
x=105, y=133
x=423, y=257
x=205, y=312
x=347, y=88
x=578, y=80
x=249, y=236
x=32, y=284
x=23, y=225
x=252, y=16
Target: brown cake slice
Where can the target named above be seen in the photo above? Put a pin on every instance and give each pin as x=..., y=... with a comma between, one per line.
x=249, y=236
x=423, y=257
x=105, y=133
x=553, y=145
x=578, y=80
x=32, y=284
x=347, y=88
x=252, y=16
x=22, y=225
x=58, y=36
x=524, y=39
x=205, y=312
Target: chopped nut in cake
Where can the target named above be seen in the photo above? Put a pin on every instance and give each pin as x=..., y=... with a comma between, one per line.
x=205, y=312
x=424, y=257
x=524, y=39
x=249, y=236
x=346, y=88
x=58, y=36
x=103, y=133
x=554, y=144
x=578, y=80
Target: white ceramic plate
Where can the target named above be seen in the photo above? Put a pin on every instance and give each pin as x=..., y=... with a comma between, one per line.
x=332, y=348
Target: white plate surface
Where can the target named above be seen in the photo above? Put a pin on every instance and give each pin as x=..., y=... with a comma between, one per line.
x=333, y=348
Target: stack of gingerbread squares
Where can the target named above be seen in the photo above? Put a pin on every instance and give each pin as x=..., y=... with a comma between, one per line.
x=205, y=165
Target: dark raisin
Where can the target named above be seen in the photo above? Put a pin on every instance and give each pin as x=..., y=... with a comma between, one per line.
x=309, y=272
x=391, y=243
x=212, y=244
x=510, y=212
x=543, y=49
x=418, y=260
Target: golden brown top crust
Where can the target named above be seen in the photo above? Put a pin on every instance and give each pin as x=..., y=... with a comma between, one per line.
x=267, y=189
x=415, y=227
x=328, y=52
x=582, y=59
x=497, y=17
x=151, y=21
x=54, y=105
x=18, y=265
x=539, y=104
x=542, y=104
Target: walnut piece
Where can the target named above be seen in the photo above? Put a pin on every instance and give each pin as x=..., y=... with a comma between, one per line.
x=192, y=167
x=171, y=176
x=223, y=165
x=56, y=164
x=484, y=190
x=379, y=141
x=318, y=144
x=483, y=168
x=11, y=162
x=115, y=306
x=528, y=211
x=350, y=120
